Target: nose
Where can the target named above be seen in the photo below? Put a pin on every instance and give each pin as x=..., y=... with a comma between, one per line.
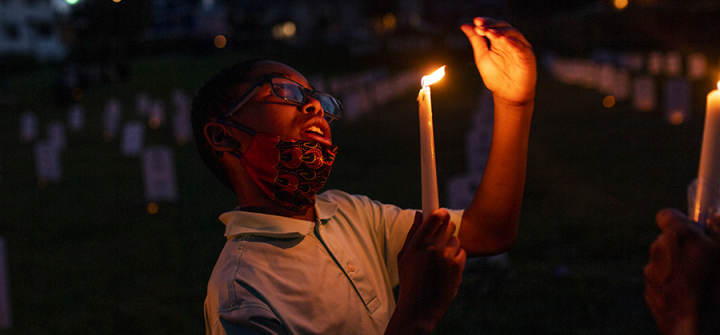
x=312, y=106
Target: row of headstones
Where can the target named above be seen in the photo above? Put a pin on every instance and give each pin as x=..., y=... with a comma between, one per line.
x=635, y=76
x=157, y=160
x=365, y=91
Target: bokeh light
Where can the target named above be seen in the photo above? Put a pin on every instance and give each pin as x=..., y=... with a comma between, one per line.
x=220, y=41
x=153, y=208
x=72, y=2
x=154, y=122
x=116, y=0
x=609, y=101
x=621, y=4
x=284, y=31
x=389, y=21
x=677, y=118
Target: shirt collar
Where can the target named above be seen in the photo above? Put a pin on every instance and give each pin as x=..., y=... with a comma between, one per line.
x=240, y=223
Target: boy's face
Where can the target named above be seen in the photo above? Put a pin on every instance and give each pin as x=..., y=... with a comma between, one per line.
x=266, y=113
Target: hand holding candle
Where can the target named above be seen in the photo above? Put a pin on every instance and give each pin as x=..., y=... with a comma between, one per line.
x=430, y=200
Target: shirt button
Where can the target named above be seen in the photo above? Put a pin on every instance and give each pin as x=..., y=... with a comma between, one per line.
x=351, y=267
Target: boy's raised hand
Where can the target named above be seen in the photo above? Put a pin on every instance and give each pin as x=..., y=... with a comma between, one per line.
x=505, y=60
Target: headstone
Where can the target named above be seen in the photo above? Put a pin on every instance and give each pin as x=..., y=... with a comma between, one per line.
x=156, y=118
x=461, y=190
x=76, y=118
x=133, y=139
x=111, y=119
x=5, y=312
x=142, y=104
x=677, y=100
x=697, y=66
x=28, y=126
x=644, y=96
x=182, y=128
x=159, y=174
x=47, y=162
x=606, y=77
x=673, y=65
x=656, y=63
x=56, y=135
x=621, y=88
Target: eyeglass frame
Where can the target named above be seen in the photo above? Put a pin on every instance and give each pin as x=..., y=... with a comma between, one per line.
x=267, y=79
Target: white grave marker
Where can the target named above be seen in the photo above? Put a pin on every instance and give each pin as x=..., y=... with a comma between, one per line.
x=673, y=65
x=621, y=88
x=656, y=63
x=76, y=118
x=159, y=173
x=5, y=313
x=28, y=126
x=677, y=100
x=156, y=118
x=133, y=139
x=182, y=128
x=644, y=96
x=111, y=119
x=47, y=162
x=56, y=135
x=697, y=66
x=142, y=104
x=606, y=78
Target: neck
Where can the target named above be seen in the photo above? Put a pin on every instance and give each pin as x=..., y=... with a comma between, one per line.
x=308, y=214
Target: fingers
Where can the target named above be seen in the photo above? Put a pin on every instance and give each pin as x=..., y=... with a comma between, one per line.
x=495, y=30
x=413, y=230
x=426, y=231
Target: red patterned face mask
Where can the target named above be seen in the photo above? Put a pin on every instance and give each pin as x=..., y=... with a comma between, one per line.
x=289, y=171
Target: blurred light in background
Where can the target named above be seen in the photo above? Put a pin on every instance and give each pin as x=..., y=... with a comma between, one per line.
x=153, y=208
x=389, y=21
x=116, y=0
x=620, y=4
x=220, y=41
x=284, y=31
x=677, y=118
x=72, y=2
x=154, y=122
x=609, y=101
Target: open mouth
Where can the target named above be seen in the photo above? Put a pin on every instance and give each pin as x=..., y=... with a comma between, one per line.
x=315, y=130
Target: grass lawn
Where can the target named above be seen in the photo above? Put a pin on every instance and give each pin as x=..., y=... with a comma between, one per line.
x=86, y=257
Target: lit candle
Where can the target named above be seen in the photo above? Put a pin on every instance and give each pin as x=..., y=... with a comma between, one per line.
x=430, y=200
x=709, y=173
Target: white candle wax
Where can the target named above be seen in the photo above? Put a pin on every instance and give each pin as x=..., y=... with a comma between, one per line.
x=430, y=200
x=709, y=172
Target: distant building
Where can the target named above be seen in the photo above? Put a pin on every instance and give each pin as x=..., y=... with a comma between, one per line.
x=30, y=28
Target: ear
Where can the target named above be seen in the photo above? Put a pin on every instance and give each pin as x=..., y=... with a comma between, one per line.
x=220, y=138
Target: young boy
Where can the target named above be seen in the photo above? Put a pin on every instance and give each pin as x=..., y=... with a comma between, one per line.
x=297, y=263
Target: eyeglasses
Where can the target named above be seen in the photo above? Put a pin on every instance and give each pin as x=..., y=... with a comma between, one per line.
x=290, y=91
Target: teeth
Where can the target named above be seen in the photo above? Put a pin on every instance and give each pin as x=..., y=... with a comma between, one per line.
x=315, y=129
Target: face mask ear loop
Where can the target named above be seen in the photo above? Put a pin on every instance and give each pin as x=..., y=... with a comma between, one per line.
x=239, y=127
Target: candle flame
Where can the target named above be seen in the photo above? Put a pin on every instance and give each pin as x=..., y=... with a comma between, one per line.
x=434, y=77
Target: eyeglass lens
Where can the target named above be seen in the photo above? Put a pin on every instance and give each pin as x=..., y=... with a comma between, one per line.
x=292, y=91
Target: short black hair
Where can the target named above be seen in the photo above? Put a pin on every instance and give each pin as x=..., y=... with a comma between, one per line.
x=213, y=98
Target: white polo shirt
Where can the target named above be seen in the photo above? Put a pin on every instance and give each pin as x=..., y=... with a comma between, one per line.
x=278, y=275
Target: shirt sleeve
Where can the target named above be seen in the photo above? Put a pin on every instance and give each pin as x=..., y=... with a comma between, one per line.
x=250, y=319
